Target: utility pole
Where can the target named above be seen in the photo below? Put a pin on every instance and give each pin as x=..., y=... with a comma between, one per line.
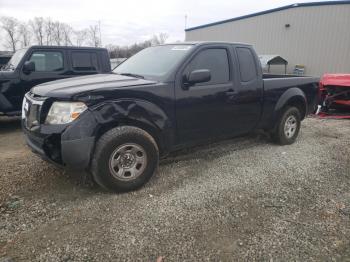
x=185, y=22
x=99, y=29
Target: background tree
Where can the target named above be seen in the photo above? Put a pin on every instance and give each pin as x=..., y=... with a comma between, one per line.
x=116, y=51
x=57, y=35
x=38, y=27
x=80, y=37
x=67, y=32
x=93, y=35
x=48, y=28
x=159, y=39
x=25, y=34
x=45, y=31
x=10, y=26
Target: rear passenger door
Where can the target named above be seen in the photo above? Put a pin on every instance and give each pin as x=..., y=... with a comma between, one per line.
x=85, y=62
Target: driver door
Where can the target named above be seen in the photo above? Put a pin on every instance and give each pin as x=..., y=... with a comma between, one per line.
x=49, y=65
x=207, y=110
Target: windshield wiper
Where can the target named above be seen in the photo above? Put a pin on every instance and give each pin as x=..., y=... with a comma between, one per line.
x=133, y=75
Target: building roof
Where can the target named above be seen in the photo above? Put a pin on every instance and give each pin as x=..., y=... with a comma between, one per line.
x=343, y=2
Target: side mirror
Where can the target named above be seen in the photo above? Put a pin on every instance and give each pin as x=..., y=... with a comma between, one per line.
x=28, y=67
x=198, y=76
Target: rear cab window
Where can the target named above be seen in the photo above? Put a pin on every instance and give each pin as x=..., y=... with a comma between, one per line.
x=85, y=61
x=247, y=65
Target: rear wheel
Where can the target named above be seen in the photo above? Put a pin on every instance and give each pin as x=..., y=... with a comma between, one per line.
x=288, y=127
x=125, y=159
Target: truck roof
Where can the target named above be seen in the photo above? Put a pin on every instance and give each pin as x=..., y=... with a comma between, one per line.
x=207, y=42
x=65, y=47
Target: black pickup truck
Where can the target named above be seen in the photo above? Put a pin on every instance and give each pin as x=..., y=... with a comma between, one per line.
x=166, y=97
x=34, y=65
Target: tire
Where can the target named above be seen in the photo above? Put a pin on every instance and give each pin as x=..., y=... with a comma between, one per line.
x=286, y=135
x=125, y=158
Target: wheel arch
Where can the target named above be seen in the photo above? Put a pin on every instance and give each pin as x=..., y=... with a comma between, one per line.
x=138, y=113
x=292, y=97
x=146, y=126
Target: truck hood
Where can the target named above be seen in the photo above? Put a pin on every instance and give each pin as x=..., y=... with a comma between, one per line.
x=70, y=87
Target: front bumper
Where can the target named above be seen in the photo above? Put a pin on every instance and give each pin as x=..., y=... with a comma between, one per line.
x=68, y=146
x=75, y=154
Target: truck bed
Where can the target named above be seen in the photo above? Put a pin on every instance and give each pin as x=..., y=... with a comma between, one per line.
x=284, y=81
x=269, y=76
x=276, y=85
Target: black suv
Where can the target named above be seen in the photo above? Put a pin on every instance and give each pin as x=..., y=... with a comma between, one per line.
x=35, y=65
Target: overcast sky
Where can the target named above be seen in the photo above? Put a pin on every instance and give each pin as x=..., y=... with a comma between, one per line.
x=128, y=21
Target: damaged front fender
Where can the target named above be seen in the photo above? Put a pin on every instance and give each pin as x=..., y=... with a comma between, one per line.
x=140, y=113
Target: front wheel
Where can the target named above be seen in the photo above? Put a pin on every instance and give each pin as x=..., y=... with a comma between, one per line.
x=125, y=159
x=288, y=127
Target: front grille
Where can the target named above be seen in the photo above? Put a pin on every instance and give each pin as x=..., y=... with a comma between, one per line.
x=33, y=116
x=32, y=110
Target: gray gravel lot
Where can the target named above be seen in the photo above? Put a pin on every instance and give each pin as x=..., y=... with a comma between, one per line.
x=241, y=199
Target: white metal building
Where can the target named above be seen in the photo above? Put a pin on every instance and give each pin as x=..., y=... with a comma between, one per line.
x=314, y=35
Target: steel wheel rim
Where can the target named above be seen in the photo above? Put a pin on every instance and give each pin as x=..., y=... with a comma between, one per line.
x=290, y=126
x=128, y=161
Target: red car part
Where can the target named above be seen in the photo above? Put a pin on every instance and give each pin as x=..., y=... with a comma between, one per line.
x=334, y=93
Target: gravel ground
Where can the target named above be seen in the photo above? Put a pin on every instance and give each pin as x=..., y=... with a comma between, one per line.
x=241, y=199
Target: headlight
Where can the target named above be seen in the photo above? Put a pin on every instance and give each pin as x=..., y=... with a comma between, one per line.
x=64, y=112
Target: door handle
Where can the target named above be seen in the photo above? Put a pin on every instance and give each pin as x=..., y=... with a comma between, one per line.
x=231, y=96
x=231, y=92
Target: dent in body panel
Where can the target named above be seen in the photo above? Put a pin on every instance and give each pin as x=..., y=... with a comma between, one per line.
x=141, y=113
x=140, y=110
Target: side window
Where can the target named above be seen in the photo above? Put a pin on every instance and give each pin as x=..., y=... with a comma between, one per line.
x=85, y=61
x=215, y=60
x=247, y=64
x=47, y=61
